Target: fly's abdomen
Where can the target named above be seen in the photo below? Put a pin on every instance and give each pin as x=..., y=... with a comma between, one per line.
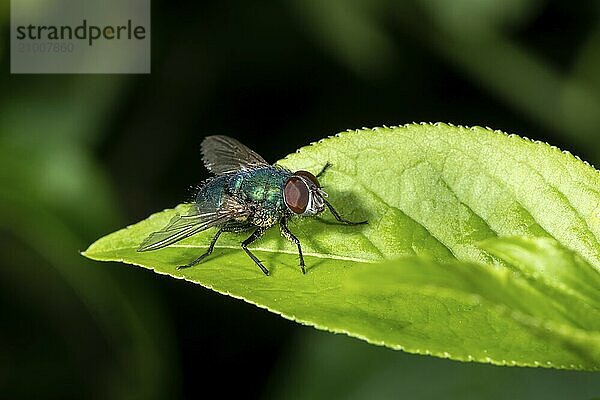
x=212, y=193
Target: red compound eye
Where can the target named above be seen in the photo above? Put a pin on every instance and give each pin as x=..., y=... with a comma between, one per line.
x=295, y=194
x=310, y=177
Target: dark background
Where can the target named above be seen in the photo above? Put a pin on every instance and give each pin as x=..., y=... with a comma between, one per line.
x=84, y=155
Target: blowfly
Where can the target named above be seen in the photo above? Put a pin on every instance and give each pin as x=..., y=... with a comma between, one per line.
x=246, y=193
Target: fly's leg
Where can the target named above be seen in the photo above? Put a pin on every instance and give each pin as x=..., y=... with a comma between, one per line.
x=285, y=231
x=255, y=235
x=338, y=217
x=325, y=168
x=203, y=256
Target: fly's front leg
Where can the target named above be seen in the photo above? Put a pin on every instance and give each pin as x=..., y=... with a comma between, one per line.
x=255, y=235
x=335, y=214
x=339, y=218
x=325, y=168
x=207, y=253
x=285, y=231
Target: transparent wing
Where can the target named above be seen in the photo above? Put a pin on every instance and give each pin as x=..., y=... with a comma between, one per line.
x=222, y=154
x=184, y=226
x=180, y=227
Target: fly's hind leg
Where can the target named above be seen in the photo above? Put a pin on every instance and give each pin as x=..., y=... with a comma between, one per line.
x=255, y=235
x=285, y=231
x=208, y=251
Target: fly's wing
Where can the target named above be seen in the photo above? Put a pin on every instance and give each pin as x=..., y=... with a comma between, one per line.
x=222, y=155
x=184, y=226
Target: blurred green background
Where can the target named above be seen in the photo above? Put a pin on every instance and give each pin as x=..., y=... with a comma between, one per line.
x=83, y=155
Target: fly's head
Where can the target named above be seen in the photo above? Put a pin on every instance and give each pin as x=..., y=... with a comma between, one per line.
x=303, y=195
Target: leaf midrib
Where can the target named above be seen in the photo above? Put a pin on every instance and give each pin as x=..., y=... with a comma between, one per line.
x=231, y=247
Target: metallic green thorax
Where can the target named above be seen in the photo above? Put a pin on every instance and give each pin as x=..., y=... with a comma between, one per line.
x=261, y=189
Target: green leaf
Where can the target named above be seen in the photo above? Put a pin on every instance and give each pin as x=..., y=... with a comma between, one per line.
x=415, y=278
x=544, y=261
x=475, y=311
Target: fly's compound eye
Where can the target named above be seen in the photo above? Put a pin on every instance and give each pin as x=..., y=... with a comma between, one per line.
x=310, y=177
x=296, y=194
